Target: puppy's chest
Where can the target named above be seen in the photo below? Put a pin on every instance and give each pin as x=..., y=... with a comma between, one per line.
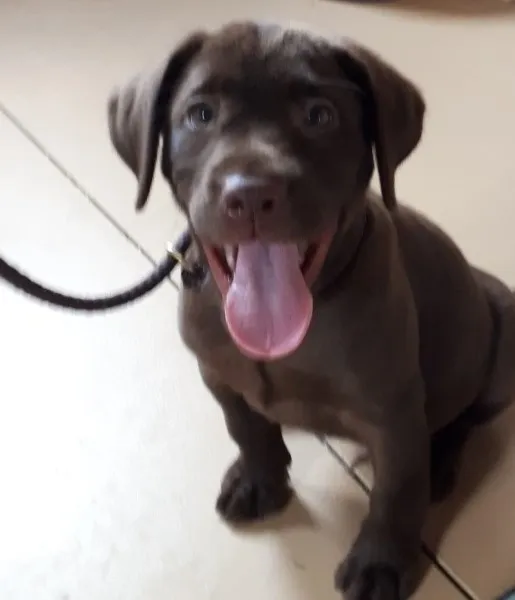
x=295, y=399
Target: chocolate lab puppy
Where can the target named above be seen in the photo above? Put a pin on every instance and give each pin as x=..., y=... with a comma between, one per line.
x=325, y=307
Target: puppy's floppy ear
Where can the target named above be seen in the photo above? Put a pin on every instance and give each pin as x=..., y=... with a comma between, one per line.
x=137, y=113
x=394, y=111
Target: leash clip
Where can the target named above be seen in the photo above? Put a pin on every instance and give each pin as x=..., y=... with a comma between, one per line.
x=192, y=276
x=179, y=257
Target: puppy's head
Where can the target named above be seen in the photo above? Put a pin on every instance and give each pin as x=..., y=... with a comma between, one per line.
x=267, y=142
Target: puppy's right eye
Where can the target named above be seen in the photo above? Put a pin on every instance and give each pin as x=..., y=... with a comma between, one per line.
x=200, y=115
x=317, y=116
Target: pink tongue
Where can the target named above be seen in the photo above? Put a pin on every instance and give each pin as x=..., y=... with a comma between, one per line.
x=268, y=306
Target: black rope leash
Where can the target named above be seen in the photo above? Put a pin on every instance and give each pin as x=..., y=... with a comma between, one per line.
x=191, y=276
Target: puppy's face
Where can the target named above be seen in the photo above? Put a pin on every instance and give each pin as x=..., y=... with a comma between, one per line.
x=267, y=143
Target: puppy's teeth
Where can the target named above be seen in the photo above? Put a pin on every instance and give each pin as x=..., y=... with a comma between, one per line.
x=229, y=257
x=302, y=249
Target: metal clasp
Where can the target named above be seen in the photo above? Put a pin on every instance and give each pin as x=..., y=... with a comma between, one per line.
x=192, y=276
x=177, y=255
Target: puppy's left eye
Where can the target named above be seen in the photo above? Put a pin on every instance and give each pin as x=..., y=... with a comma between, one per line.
x=200, y=115
x=319, y=115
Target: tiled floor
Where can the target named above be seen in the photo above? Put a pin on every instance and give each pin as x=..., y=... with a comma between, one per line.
x=110, y=448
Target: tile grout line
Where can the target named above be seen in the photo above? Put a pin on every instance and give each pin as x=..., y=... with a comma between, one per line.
x=11, y=117
x=439, y=565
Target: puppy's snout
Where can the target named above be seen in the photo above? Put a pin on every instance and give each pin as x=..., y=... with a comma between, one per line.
x=247, y=197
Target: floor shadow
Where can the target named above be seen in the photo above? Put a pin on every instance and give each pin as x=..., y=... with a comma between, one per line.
x=448, y=8
x=296, y=515
x=481, y=456
x=314, y=566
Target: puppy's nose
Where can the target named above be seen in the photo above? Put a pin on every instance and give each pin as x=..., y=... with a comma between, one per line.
x=245, y=197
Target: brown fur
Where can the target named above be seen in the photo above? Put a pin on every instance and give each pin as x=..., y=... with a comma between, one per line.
x=407, y=339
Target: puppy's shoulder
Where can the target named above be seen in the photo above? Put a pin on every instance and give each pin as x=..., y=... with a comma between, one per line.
x=427, y=252
x=418, y=233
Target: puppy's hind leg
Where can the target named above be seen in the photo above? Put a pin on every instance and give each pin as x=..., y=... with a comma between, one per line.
x=499, y=390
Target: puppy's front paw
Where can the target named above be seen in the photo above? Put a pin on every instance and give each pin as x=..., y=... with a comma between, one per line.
x=243, y=498
x=373, y=582
x=373, y=570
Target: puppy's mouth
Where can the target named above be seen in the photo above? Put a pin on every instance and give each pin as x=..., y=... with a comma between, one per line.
x=266, y=292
